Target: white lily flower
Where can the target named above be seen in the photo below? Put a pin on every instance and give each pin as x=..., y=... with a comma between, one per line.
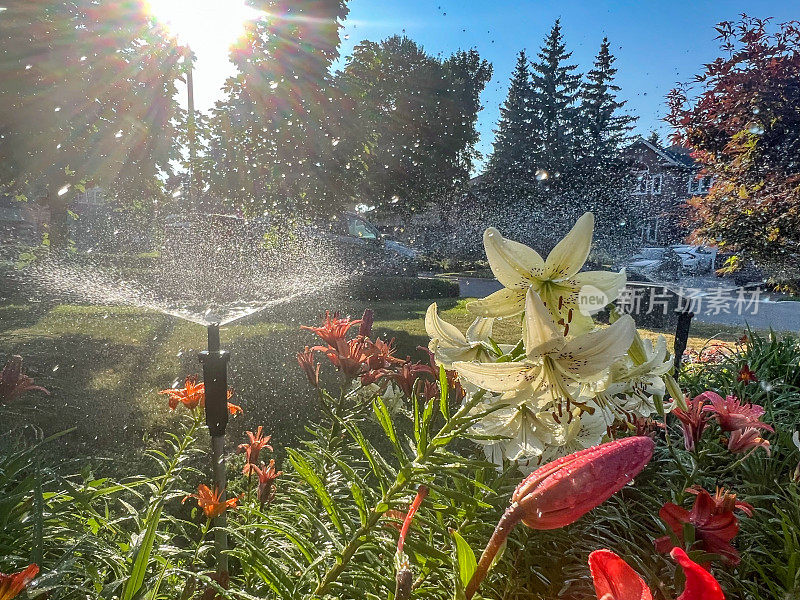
x=557, y=280
x=449, y=345
x=633, y=387
x=584, y=430
x=528, y=431
x=553, y=366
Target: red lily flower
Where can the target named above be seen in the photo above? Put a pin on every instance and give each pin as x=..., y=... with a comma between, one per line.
x=333, y=329
x=715, y=524
x=349, y=356
x=731, y=414
x=211, y=502
x=408, y=374
x=559, y=493
x=310, y=366
x=266, y=480
x=724, y=500
x=746, y=375
x=14, y=382
x=614, y=579
x=257, y=443
x=693, y=420
x=11, y=585
x=747, y=439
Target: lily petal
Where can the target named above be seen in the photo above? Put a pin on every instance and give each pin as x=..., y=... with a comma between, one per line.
x=512, y=263
x=570, y=253
x=700, y=584
x=503, y=303
x=595, y=351
x=608, y=282
x=480, y=330
x=447, y=334
x=497, y=377
x=614, y=579
x=542, y=335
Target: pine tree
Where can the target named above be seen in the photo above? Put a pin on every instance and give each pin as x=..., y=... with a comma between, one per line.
x=605, y=130
x=602, y=178
x=509, y=166
x=556, y=89
x=654, y=138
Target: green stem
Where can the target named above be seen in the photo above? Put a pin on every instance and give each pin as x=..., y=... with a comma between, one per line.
x=403, y=480
x=504, y=527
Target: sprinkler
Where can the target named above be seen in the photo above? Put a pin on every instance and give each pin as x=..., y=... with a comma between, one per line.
x=215, y=377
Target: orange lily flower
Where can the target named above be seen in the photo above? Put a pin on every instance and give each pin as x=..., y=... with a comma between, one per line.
x=211, y=502
x=12, y=585
x=266, y=480
x=193, y=394
x=257, y=443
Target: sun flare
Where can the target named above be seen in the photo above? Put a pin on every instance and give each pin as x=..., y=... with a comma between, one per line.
x=203, y=24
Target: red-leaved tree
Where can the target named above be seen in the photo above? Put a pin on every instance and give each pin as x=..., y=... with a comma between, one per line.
x=742, y=118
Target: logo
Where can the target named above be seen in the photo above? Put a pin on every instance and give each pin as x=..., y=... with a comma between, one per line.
x=591, y=300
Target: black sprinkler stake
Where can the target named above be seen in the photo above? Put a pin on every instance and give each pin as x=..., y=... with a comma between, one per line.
x=215, y=377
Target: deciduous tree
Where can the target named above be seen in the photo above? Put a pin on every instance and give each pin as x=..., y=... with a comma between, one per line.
x=742, y=117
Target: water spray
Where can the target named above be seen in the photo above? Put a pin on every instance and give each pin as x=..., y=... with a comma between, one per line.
x=215, y=377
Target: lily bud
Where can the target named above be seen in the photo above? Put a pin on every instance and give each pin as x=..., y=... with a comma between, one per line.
x=559, y=493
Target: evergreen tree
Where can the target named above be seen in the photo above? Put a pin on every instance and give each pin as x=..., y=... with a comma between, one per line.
x=509, y=166
x=554, y=99
x=605, y=131
x=654, y=138
x=602, y=178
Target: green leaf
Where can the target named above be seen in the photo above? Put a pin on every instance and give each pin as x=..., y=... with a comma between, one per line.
x=466, y=559
x=444, y=387
x=385, y=420
x=306, y=471
x=143, y=552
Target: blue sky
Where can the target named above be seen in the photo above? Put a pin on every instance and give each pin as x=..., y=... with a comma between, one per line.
x=657, y=43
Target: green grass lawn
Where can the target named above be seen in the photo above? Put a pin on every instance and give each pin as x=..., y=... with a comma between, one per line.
x=104, y=367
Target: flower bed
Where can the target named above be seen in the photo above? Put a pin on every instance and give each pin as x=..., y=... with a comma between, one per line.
x=568, y=465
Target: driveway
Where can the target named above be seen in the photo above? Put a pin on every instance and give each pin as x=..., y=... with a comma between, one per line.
x=712, y=303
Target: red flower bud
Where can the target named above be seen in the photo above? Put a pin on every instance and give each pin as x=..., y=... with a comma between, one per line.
x=559, y=493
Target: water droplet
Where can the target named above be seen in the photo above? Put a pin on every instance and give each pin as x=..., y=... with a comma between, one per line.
x=56, y=368
x=541, y=174
x=756, y=129
x=64, y=190
x=273, y=85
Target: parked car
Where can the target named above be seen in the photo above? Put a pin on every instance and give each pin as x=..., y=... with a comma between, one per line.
x=357, y=241
x=696, y=260
x=653, y=264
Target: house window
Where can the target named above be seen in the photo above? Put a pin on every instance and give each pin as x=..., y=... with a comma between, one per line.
x=649, y=230
x=656, y=182
x=700, y=186
x=642, y=181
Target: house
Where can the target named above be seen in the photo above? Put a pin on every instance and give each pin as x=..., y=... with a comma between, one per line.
x=665, y=179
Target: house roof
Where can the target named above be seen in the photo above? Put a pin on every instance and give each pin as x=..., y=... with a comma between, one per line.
x=676, y=156
x=681, y=154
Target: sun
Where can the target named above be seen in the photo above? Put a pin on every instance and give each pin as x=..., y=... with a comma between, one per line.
x=203, y=25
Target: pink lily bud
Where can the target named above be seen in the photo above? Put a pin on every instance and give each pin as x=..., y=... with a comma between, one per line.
x=559, y=493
